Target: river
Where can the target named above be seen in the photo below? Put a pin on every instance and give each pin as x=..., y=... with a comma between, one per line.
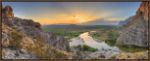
x=102, y=47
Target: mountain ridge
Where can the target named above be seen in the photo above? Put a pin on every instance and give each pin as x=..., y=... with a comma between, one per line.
x=100, y=22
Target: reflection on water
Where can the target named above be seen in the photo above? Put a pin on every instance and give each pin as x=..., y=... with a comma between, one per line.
x=88, y=40
x=102, y=47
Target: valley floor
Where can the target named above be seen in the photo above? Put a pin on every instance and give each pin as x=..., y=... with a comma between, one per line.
x=104, y=51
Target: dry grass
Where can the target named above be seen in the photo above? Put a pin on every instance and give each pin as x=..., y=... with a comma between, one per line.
x=44, y=51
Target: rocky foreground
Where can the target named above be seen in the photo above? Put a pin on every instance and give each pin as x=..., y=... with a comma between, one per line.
x=24, y=39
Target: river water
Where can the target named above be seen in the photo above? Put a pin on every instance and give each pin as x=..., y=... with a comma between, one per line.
x=102, y=47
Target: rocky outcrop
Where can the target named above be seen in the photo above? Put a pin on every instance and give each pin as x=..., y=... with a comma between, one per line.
x=34, y=31
x=7, y=15
x=25, y=34
x=135, y=32
x=7, y=12
x=16, y=54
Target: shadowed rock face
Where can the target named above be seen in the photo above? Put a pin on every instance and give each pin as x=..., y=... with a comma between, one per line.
x=7, y=15
x=7, y=11
x=25, y=34
x=135, y=32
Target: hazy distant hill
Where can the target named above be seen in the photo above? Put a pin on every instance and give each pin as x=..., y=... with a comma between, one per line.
x=100, y=22
x=73, y=26
x=126, y=21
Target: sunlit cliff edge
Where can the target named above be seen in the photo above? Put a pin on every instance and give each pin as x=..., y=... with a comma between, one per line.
x=135, y=32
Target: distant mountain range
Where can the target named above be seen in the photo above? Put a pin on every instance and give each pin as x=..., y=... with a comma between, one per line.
x=125, y=21
x=74, y=26
x=91, y=24
x=100, y=22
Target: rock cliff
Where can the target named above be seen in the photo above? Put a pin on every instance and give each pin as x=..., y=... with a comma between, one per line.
x=135, y=32
x=24, y=39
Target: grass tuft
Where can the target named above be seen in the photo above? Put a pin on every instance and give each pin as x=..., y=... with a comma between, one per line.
x=15, y=39
x=131, y=48
x=87, y=48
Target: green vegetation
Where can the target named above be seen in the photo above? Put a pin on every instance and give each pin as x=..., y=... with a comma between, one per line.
x=113, y=35
x=56, y=31
x=71, y=32
x=109, y=36
x=131, y=48
x=103, y=33
x=113, y=57
x=87, y=48
x=70, y=35
x=96, y=36
x=66, y=34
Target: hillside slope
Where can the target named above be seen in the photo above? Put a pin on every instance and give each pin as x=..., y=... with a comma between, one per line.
x=135, y=32
x=24, y=39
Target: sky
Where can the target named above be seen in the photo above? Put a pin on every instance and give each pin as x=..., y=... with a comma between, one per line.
x=73, y=12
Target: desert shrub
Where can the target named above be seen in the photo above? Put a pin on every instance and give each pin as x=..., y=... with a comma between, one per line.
x=131, y=48
x=72, y=34
x=56, y=31
x=98, y=36
x=113, y=57
x=112, y=37
x=111, y=42
x=44, y=51
x=63, y=32
x=87, y=48
x=15, y=39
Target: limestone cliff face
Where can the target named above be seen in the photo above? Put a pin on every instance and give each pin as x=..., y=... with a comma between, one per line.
x=144, y=10
x=24, y=39
x=135, y=32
